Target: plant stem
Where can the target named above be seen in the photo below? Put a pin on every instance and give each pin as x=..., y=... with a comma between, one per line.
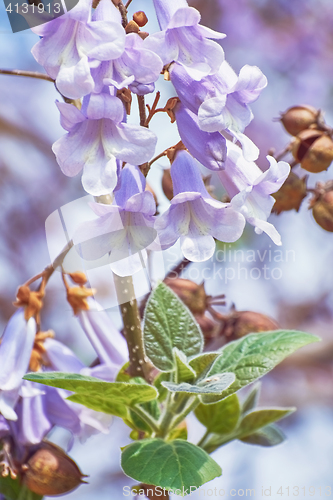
x=146, y=417
x=139, y=365
x=203, y=439
x=30, y=74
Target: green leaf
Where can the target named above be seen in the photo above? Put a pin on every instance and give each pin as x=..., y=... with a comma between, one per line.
x=168, y=323
x=221, y=417
x=253, y=356
x=259, y=418
x=106, y=397
x=173, y=465
x=212, y=385
x=251, y=399
x=179, y=432
x=202, y=363
x=184, y=371
x=270, y=435
x=162, y=391
x=13, y=490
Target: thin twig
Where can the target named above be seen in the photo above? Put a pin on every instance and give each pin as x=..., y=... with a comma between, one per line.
x=123, y=13
x=30, y=74
x=153, y=110
x=128, y=4
x=142, y=110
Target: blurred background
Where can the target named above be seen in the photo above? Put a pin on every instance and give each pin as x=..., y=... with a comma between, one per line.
x=292, y=43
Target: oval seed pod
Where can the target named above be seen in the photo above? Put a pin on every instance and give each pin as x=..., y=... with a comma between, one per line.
x=140, y=18
x=314, y=150
x=322, y=210
x=167, y=184
x=241, y=323
x=291, y=194
x=50, y=471
x=298, y=118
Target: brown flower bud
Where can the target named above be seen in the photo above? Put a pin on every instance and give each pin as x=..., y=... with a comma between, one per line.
x=314, y=150
x=291, y=194
x=78, y=277
x=77, y=297
x=208, y=326
x=193, y=295
x=241, y=323
x=143, y=34
x=167, y=184
x=140, y=18
x=31, y=301
x=322, y=208
x=132, y=27
x=49, y=471
x=299, y=118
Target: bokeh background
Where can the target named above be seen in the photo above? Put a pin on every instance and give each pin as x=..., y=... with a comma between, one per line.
x=292, y=43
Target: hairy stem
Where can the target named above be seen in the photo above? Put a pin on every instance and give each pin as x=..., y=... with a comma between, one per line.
x=139, y=365
x=146, y=417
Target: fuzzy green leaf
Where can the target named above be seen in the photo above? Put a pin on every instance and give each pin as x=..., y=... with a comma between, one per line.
x=270, y=435
x=212, y=385
x=175, y=465
x=168, y=323
x=259, y=418
x=221, y=417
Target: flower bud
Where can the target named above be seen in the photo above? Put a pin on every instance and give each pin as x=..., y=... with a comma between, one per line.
x=241, y=323
x=322, y=208
x=132, y=27
x=167, y=184
x=193, y=295
x=290, y=194
x=140, y=18
x=299, y=118
x=78, y=277
x=314, y=150
x=49, y=471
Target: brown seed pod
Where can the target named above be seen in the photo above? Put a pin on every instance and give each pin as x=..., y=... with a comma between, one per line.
x=322, y=209
x=140, y=18
x=167, y=184
x=314, y=150
x=298, y=118
x=291, y=194
x=49, y=471
x=193, y=295
x=209, y=327
x=241, y=323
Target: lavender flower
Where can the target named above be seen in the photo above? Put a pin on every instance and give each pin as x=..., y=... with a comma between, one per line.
x=250, y=188
x=96, y=138
x=182, y=39
x=221, y=101
x=15, y=351
x=73, y=44
x=123, y=229
x=194, y=216
x=138, y=68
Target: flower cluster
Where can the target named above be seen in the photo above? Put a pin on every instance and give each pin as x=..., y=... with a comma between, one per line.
x=28, y=412
x=96, y=57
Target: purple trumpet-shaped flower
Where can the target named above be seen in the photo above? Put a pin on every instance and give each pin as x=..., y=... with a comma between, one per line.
x=96, y=138
x=182, y=39
x=15, y=351
x=209, y=149
x=124, y=229
x=73, y=44
x=221, y=101
x=250, y=188
x=109, y=344
x=138, y=68
x=194, y=216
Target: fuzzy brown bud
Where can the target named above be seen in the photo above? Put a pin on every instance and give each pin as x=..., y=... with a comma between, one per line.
x=314, y=150
x=140, y=18
x=167, y=184
x=143, y=34
x=193, y=295
x=31, y=301
x=299, y=118
x=77, y=297
x=240, y=323
x=49, y=471
x=78, y=277
x=291, y=194
x=132, y=27
x=322, y=210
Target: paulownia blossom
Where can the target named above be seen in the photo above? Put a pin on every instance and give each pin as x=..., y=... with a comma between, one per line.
x=97, y=137
x=194, y=216
x=184, y=40
x=74, y=43
x=221, y=101
x=250, y=188
x=124, y=229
